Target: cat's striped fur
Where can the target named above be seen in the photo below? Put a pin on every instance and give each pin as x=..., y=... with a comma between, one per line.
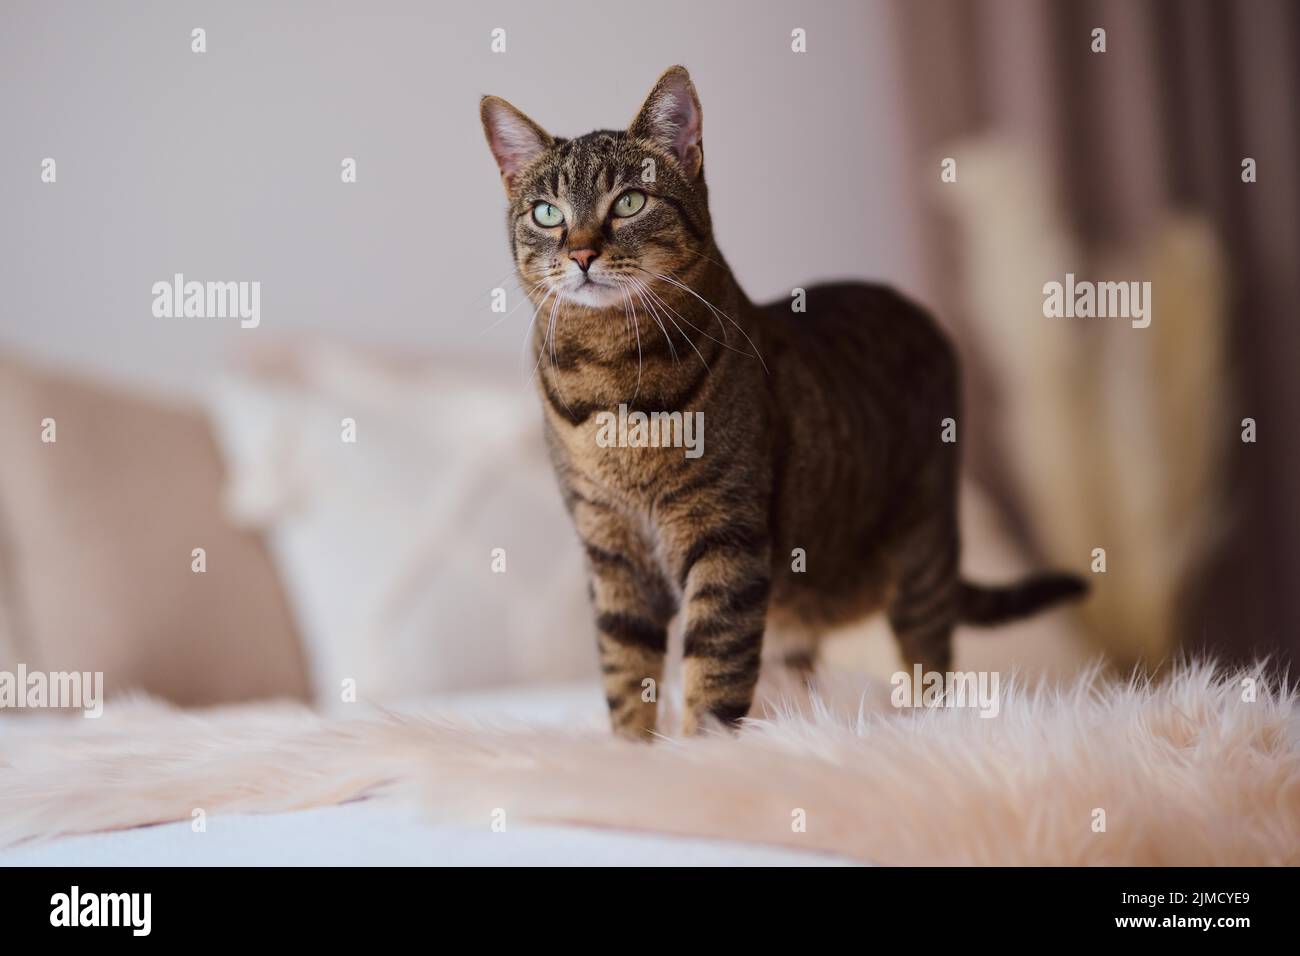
x=823, y=427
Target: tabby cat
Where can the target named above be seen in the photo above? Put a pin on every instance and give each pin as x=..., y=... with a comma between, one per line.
x=824, y=491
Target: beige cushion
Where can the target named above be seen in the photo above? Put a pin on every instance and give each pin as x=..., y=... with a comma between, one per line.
x=96, y=535
x=385, y=545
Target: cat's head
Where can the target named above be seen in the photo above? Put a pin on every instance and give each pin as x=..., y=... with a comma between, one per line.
x=590, y=214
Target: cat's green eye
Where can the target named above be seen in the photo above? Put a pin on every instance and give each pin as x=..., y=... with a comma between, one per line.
x=629, y=204
x=547, y=216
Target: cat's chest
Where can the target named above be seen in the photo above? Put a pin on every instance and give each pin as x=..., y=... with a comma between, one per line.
x=623, y=456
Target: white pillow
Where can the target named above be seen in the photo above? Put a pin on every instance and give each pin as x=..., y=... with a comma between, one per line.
x=385, y=545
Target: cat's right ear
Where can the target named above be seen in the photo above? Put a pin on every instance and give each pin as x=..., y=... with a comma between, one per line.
x=671, y=117
x=515, y=140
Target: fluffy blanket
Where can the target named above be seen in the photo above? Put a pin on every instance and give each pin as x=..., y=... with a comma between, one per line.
x=1202, y=768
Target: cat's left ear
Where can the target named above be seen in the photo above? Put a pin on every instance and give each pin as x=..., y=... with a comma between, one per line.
x=515, y=140
x=671, y=116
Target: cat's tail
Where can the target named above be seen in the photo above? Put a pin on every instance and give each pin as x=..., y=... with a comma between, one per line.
x=984, y=606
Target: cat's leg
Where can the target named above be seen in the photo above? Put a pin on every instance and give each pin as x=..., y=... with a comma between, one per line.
x=725, y=576
x=924, y=604
x=633, y=607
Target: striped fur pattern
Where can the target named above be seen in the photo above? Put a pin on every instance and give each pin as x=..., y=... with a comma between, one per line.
x=823, y=492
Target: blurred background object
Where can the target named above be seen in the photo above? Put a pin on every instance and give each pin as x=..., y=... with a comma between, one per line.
x=1141, y=148
x=97, y=536
x=432, y=553
x=1110, y=438
x=373, y=561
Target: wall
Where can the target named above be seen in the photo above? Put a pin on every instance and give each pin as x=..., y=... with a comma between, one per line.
x=226, y=165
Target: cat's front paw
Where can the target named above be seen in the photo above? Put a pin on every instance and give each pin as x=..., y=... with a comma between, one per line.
x=633, y=720
x=701, y=718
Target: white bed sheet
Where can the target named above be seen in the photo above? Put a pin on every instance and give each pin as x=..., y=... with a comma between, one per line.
x=389, y=832
x=386, y=833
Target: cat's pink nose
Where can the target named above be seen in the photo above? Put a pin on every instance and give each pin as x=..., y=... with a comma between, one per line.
x=583, y=257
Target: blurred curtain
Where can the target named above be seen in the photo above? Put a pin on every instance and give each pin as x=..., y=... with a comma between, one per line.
x=1162, y=120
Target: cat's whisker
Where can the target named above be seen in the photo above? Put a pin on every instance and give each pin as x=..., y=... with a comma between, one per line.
x=549, y=341
x=627, y=311
x=716, y=311
x=555, y=337
x=662, y=328
x=556, y=318
x=512, y=274
x=627, y=305
x=637, y=328
x=689, y=324
x=717, y=318
x=541, y=353
x=660, y=299
x=526, y=298
x=528, y=334
x=645, y=289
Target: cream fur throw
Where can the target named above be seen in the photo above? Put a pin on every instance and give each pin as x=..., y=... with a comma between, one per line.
x=1186, y=771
